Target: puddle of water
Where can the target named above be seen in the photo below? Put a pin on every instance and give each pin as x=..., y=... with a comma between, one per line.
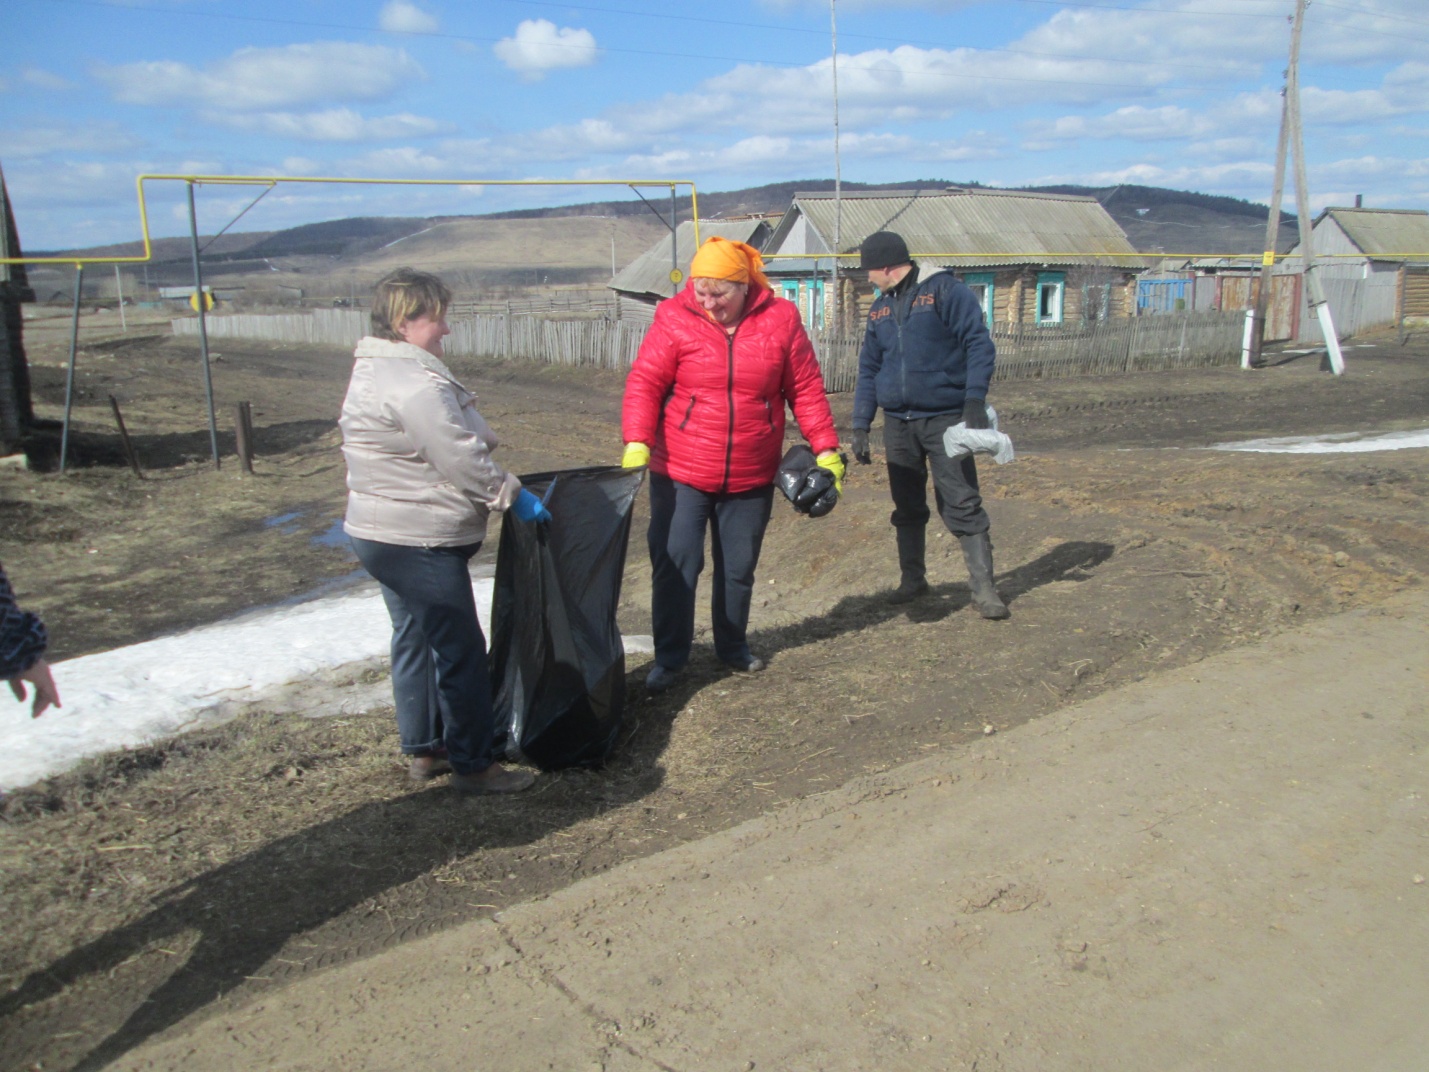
x=333, y=537
x=283, y=521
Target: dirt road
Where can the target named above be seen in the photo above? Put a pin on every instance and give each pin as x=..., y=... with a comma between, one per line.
x=1223, y=867
x=200, y=877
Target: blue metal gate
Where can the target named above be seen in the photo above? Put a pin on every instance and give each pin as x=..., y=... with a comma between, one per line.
x=1163, y=296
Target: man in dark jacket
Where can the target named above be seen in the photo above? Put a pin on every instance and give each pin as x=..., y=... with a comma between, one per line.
x=927, y=360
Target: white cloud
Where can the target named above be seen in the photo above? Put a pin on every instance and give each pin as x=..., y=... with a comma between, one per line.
x=42, y=79
x=63, y=137
x=762, y=154
x=398, y=16
x=257, y=79
x=540, y=46
x=401, y=162
x=1134, y=122
x=334, y=124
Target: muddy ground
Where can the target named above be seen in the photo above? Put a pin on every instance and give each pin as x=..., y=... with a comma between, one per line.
x=206, y=871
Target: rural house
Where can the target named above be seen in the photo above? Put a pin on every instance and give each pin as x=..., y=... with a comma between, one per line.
x=647, y=278
x=1032, y=259
x=1374, y=264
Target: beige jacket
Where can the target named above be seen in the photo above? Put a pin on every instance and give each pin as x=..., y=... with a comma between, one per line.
x=419, y=468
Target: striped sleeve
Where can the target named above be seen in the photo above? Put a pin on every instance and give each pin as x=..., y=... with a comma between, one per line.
x=22, y=635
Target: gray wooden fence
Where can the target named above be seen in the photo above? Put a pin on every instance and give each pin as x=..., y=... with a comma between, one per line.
x=321, y=327
x=1141, y=344
x=609, y=344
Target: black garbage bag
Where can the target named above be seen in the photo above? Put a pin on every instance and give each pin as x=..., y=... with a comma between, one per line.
x=806, y=484
x=557, y=664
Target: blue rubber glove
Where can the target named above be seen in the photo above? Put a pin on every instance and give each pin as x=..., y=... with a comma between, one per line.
x=529, y=508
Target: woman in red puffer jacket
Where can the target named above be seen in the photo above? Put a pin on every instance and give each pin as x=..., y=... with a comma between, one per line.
x=704, y=408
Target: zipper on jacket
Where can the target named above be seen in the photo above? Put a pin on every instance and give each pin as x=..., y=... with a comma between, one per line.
x=729, y=397
x=910, y=293
x=689, y=409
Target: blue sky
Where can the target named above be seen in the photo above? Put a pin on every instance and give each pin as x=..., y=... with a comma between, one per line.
x=1177, y=93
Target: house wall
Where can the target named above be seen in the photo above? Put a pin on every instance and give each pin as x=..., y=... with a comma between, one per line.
x=1114, y=291
x=1330, y=239
x=1014, y=295
x=1414, y=292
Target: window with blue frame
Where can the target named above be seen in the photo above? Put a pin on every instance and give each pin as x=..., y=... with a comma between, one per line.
x=808, y=295
x=982, y=286
x=1051, y=292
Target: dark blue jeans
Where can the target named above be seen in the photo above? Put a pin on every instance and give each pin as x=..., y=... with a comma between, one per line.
x=913, y=448
x=679, y=515
x=441, y=685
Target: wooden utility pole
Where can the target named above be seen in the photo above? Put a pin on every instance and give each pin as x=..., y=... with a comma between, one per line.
x=1314, y=291
x=1272, y=223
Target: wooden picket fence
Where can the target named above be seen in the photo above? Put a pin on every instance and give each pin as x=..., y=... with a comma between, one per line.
x=1141, y=344
x=608, y=344
x=321, y=327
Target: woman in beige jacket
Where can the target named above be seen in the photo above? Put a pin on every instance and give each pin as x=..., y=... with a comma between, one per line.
x=421, y=485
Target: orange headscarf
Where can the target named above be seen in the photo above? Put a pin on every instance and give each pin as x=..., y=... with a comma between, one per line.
x=719, y=258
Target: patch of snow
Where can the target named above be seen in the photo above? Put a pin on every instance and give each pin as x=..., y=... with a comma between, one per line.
x=135, y=694
x=1341, y=443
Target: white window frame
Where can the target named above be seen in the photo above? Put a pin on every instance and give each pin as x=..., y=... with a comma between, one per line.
x=1051, y=297
x=984, y=287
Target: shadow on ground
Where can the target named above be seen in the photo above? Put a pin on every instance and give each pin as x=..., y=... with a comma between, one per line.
x=245, y=913
x=1067, y=562
x=165, y=451
x=240, y=916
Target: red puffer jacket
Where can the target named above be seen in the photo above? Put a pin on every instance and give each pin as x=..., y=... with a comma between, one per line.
x=710, y=406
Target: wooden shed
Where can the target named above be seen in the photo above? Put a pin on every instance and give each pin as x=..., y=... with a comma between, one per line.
x=1375, y=265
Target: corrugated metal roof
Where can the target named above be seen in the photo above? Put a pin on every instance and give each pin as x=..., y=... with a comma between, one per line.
x=649, y=273
x=1005, y=226
x=1385, y=234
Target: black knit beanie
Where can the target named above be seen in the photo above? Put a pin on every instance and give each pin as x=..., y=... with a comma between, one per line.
x=883, y=249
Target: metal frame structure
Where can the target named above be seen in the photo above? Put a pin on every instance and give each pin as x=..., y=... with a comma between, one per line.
x=269, y=182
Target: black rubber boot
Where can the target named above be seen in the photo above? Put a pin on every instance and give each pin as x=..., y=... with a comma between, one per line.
x=977, y=552
x=914, y=581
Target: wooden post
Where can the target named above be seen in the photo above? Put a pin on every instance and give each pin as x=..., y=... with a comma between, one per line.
x=124, y=438
x=244, y=430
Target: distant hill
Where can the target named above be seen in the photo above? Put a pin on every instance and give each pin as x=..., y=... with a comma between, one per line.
x=508, y=252
x=333, y=238
x=1155, y=220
